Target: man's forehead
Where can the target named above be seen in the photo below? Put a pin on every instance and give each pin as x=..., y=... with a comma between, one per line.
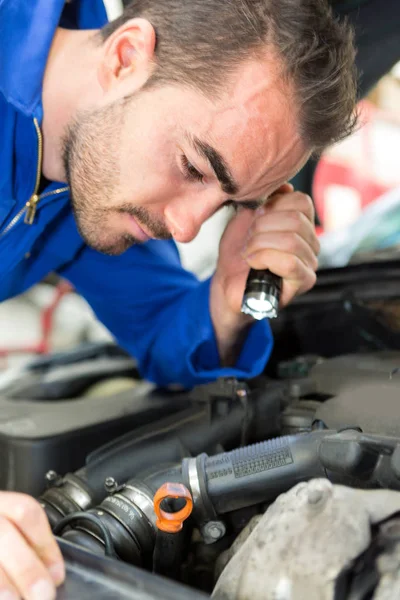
x=255, y=82
x=255, y=130
x=256, y=94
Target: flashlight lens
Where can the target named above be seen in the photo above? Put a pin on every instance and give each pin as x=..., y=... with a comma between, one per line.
x=259, y=304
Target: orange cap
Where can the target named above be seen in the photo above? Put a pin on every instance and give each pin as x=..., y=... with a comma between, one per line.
x=172, y=522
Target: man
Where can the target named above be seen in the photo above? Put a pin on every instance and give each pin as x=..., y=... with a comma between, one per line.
x=155, y=122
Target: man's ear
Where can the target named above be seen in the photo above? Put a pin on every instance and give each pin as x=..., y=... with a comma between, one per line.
x=128, y=56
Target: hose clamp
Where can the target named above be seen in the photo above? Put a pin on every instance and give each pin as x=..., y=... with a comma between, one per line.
x=143, y=499
x=193, y=471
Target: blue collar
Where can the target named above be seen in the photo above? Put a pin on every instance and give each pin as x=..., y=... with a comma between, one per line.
x=26, y=33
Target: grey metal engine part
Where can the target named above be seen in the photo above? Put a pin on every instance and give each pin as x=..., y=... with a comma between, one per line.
x=304, y=540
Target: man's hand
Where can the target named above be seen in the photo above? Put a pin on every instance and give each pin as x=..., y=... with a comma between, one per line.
x=31, y=564
x=280, y=237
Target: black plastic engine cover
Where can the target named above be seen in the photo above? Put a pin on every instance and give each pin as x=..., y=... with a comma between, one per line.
x=38, y=436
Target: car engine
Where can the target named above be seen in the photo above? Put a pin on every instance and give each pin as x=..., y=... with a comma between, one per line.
x=282, y=487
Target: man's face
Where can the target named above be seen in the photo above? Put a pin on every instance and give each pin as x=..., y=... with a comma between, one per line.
x=160, y=163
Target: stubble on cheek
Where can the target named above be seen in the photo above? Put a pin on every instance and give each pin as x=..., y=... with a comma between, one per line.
x=91, y=157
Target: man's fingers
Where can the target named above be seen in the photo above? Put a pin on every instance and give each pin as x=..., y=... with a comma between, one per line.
x=285, y=188
x=285, y=222
x=298, y=276
x=8, y=591
x=284, y=264
x=280, y=236
x=285, y=242
x=23, y=567
x=30, y=519
x=296, y=201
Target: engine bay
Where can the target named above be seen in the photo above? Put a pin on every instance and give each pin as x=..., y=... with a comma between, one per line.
x=176, y=483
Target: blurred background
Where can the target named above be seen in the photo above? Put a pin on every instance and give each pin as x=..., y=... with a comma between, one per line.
x=356, y=190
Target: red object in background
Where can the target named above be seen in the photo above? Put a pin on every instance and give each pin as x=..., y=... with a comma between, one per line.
x=357, y=176
x=47, y=323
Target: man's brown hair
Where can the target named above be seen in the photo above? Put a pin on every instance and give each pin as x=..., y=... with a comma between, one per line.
x=200, y=42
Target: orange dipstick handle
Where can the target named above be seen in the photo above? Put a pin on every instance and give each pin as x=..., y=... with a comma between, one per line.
x=172, y=522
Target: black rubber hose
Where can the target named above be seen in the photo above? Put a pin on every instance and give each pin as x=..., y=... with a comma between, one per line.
x=188, y=436
x=165, y=426
x=171, y=447
x=168, y=554
x=260, y=472
x=121, y=460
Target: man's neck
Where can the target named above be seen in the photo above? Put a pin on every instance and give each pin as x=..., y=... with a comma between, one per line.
x=70, y=85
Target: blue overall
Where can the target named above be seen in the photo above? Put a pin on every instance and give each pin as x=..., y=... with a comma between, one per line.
x=155, y=309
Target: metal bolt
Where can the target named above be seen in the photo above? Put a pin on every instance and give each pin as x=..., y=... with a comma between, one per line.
x=51, y=476
x=213, y=531
x=110, y=484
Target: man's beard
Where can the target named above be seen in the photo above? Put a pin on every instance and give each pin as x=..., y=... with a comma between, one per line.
x=90, y=155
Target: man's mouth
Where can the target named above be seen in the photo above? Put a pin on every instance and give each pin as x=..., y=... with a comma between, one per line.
x=143, y=227
x=136, y=230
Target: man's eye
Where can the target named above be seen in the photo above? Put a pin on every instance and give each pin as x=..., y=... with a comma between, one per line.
x=231, y=204
x=249, y=204
x=190, y=171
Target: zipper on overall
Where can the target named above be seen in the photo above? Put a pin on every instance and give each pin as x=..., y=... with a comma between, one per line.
x=29, y=210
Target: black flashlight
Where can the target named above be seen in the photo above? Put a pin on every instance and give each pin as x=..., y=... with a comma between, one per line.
x=262, y=294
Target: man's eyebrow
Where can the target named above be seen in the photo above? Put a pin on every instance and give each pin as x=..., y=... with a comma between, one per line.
x=221, y=169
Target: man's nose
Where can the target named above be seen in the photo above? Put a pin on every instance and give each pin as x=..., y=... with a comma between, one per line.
x=185, y=217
